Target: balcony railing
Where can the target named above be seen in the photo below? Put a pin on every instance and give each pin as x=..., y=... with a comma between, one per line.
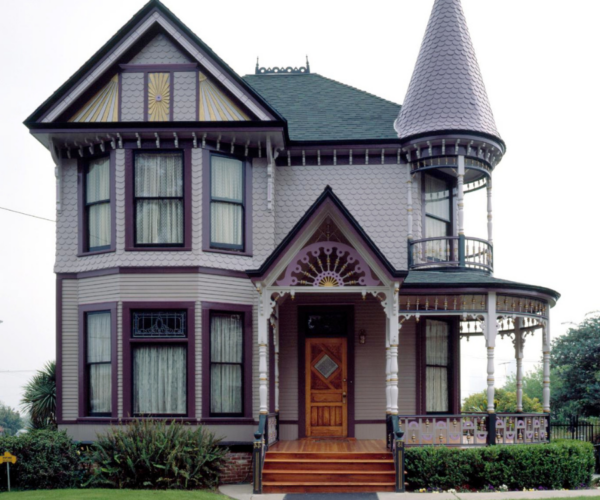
x=450, y=251
x=475, y=429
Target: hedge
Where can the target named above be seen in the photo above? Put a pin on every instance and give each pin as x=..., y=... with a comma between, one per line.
x=45, y=460
x=560, y=464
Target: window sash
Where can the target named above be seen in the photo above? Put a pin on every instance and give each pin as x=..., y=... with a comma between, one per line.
x=159, y=379
x=98, y=356
x=159, y=199
x=227, y=203
x=226, y=359
x=97, y=205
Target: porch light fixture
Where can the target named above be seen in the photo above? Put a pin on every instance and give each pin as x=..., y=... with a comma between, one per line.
x=362, y=336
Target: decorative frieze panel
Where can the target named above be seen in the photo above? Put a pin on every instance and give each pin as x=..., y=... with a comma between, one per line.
x=215, y=106
x=328, y=264
x=522, y=429
x=520, y=306
x=442, y=303
x=103, y=107
x=450, y=430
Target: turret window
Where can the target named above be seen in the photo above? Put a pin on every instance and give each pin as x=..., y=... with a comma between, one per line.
x=438, y=207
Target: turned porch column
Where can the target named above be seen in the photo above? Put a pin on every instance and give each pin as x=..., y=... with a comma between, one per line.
x=491, y=330
x=409, y=202
x=393, y=327
x=276, y=360
x=461, y=211
x=264, y=315
x=519, y=345
x=388, y=371
x=546, y=363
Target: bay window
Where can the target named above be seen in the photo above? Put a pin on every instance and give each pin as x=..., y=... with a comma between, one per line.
x=159, y=199
x=227, y=211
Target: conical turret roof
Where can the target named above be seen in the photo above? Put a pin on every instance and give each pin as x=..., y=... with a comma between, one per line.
x=446, y=92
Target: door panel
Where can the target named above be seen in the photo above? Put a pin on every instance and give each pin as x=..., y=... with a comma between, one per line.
x=326, y=387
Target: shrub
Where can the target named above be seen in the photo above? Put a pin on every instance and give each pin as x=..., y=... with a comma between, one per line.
x=147, y=454
x=560, y=464
x=45, y=460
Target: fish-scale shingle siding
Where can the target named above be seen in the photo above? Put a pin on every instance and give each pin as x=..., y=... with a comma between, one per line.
x=185, y=95
x=160, y=50
x=132, y=97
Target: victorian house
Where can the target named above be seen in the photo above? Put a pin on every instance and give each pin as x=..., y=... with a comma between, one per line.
x=279, y=256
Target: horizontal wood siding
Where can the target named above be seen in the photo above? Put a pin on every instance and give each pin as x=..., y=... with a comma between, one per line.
x=407, y=368
x=288, y=361
x=70, y=351
x=369, y=376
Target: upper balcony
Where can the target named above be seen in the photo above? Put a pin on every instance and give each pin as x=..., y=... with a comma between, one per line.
x=451, y=251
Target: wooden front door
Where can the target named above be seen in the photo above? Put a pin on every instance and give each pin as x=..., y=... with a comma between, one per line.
x=326, y=387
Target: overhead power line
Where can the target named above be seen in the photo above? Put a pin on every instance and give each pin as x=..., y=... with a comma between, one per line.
x=28, y=215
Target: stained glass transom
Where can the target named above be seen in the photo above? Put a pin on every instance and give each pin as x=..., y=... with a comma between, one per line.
x=326, y=366
x=159, y=324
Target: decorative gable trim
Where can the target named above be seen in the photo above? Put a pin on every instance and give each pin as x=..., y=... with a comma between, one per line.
x=153, y=14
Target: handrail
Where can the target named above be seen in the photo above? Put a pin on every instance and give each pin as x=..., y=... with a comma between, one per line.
x=396, y=443
x=258, y=453
x=450, y=251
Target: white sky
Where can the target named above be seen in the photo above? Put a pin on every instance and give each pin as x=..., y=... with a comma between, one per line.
x=539, y=60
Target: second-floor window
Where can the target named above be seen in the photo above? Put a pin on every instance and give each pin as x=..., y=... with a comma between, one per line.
x=438, y=207
x=97, y=205
x=158, y=199
x=227, y=203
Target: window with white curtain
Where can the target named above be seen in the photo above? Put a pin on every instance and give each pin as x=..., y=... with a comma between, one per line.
x=97, y=205
x=159, y=363
x=158, y=191
x=226, y=364
x=226, y=203
x=99, y=363
x=437, y=348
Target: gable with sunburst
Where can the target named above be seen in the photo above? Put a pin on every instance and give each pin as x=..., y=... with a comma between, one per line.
x=328, y=260
x=103, y=107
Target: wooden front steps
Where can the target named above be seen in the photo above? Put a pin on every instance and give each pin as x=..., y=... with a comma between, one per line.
x=328, y=467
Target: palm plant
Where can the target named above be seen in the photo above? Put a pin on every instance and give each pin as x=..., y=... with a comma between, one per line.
x=39, y=399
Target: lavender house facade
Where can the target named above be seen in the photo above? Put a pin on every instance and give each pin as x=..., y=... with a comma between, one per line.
x=226, y=258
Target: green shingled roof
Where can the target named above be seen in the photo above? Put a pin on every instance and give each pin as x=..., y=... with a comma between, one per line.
x=431, y=279
x=321, y=109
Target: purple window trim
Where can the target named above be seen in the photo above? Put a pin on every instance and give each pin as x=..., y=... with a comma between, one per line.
x=189, y=341
x=83, y=375
x=130, y=200
x=82, y=220
x=247, y=311
x=206, y=195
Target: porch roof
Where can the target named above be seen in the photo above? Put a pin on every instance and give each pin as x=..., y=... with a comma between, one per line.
x=456, y=278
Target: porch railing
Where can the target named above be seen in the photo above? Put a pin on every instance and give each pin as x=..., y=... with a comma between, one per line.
x=450, y=251
x=475, y=429
x=266, y=435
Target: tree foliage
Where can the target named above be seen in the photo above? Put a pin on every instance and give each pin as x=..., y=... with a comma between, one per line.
x=39, y=399
x=576, y=362
x=533, y=383
x=504, y=402
x=10, y=420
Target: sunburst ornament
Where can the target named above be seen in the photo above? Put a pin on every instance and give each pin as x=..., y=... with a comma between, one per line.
x=329, y=281
x=159, y=97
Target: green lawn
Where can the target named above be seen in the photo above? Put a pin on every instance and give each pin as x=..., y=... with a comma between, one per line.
x=111, y=495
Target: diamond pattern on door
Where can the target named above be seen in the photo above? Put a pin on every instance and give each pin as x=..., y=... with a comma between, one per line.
x=326, y=366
